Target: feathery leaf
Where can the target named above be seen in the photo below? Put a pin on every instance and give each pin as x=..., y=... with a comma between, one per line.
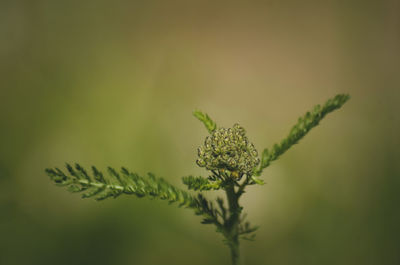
x=116, y=183
x=298, y=131
x=206, y=120
x=200, y=183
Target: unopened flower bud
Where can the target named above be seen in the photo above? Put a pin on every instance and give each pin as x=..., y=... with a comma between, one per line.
x=228, y=149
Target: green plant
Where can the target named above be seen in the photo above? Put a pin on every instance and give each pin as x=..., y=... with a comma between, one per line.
x=231, y=159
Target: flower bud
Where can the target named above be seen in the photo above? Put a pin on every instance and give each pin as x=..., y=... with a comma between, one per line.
x=228, y=149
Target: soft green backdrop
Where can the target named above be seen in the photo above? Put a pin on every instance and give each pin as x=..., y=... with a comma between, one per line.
x=115, y=82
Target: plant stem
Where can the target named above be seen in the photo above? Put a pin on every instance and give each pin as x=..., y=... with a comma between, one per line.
x=232, y=224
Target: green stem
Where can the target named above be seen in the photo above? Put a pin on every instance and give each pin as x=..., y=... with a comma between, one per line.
x=232, y=224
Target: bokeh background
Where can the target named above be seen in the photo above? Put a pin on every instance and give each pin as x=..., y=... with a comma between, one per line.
x=115, y=82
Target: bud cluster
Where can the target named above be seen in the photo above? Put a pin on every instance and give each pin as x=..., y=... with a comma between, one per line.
x=228, y=149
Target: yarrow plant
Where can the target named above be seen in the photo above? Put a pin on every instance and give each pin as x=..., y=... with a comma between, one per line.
x=233, y=164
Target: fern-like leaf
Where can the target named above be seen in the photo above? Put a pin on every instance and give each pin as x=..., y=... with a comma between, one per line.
x=298, y=131
x=206, y=120
x=200, y=183
x=100, y=187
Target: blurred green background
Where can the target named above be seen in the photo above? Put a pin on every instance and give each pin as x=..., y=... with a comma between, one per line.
x=115, y=82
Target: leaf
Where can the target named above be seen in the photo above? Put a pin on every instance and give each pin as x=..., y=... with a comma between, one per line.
x=117, y=183
x=206, y=120
x=200, y=183
x=256, y=180
x=298, y=131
